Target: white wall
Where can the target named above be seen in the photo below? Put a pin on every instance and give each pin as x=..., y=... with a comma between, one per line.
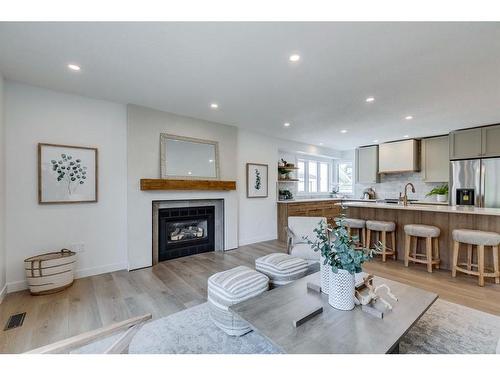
x=144, y=128
x=3, y=288
x=36, y=115
x=257, y=216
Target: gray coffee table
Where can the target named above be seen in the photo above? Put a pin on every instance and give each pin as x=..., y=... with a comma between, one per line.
x=333, y=331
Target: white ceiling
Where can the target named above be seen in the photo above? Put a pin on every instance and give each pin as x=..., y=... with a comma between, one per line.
x=447, y=75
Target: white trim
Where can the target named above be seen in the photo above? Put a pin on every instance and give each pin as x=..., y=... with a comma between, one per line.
x=3, y=293
x=16, y=286
x=252, y=240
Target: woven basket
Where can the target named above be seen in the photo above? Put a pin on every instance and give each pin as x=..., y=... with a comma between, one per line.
x=50, y=272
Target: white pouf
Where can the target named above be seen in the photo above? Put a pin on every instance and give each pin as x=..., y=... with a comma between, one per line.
x=231, y=287
x=281, y=268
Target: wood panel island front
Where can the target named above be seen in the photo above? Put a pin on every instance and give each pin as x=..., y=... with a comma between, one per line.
x=446, y=218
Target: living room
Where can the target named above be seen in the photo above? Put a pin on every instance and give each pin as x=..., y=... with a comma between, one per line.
x=243, y=188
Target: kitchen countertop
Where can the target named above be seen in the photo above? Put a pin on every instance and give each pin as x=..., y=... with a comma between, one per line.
x=305, y=200
x=428, y=207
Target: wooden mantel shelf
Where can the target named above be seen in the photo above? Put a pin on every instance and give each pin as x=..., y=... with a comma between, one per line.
x=166, y=184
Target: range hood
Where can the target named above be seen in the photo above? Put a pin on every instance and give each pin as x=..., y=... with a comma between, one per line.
x=400, y=156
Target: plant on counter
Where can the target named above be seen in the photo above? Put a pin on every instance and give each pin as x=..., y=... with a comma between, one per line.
x=438, y=190
x=441, y=193
x=285, y=194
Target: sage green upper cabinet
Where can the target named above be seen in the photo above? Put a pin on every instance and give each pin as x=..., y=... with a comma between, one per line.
x=435, y=159
x=466, y=144
x=475, y=143
x=367, y=165
x=491, y=141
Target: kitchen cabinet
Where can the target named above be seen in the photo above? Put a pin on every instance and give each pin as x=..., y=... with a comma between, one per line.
x=367, y=165
x=490, y=145
x=475, y=143
x=401, y=156
x=466, y=144
x=435, y=159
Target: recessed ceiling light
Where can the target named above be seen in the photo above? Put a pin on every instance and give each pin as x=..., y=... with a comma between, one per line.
x=343, y=131
x=406, y=136
x=375, y=141
x=210, y=160
x=286, y=124
x=409, y=117
x=321, y=143
x=214, y=106
x=294, y=57
x=74, y=67
x=370, y=99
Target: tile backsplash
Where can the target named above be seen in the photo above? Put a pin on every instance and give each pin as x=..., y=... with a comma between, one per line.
x=391, y=184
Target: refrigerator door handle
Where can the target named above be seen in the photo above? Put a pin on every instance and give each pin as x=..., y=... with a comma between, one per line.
x=482, y=185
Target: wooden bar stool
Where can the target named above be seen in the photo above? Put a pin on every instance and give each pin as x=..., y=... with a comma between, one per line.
x=384, y=228
x=357, y=225
x=479, y=239
x=431, y=235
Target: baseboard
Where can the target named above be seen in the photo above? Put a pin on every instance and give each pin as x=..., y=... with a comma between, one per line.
x=3, y=293
x=249, y=241
x=16, y=286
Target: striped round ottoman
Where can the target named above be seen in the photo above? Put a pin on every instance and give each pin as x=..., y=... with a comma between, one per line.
x=228, y=288
x=281, y=268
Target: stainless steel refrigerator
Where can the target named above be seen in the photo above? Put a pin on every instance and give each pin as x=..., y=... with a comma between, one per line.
x=482, y=175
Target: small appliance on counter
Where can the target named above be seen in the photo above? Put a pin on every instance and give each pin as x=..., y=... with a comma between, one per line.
x=465, y=197
x=369, y=194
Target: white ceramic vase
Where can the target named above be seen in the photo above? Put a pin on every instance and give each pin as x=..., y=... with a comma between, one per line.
x=325, y=270
x=341, y=291
x=442, y=197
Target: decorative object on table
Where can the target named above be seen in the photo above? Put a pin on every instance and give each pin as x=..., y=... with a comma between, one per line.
x=66, y=174
x=335, y=191
x=340, y=260
x=367, y=295
x=186, y=158
x=311, y=313
x=285, y=195
x=257, y=180
x=441, y=193
x=50, y=272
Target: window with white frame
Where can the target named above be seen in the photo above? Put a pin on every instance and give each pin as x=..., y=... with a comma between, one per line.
x=345, y=177
x=314, y=176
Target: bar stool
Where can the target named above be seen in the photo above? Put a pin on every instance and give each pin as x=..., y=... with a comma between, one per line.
x=357, y=224
x=431, y=235
x=479, y=239
x=384, y=228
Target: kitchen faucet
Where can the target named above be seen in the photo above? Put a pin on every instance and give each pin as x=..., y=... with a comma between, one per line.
x=405, y=197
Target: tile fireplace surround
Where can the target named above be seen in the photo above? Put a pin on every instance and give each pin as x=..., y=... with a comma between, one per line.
x=218, y=219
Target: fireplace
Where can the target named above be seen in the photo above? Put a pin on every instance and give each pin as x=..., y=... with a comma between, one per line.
x=185, y=231
x=184, y=227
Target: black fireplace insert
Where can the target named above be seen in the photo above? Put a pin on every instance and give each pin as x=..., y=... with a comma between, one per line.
x=185, y=231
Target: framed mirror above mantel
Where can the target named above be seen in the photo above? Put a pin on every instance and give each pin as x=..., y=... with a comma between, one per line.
x=186, y=158
x=188, y=164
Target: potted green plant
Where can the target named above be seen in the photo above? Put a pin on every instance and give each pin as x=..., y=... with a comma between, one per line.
x=340, y=261
x=441, y=193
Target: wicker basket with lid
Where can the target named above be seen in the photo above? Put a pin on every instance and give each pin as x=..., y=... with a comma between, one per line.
x=50, y=272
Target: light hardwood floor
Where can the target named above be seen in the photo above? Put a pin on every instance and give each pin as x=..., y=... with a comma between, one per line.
x=179, y=284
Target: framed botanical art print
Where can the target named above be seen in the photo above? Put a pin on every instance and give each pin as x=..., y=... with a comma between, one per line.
x=257, y=180
x=66, y=174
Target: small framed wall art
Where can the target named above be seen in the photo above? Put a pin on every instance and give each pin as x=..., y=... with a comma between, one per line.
x=257, y=180
x=66, y=174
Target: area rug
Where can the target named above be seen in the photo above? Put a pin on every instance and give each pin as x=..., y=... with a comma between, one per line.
x=445, y=328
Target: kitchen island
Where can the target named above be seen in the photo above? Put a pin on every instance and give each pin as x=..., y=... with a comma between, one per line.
x=446, y=218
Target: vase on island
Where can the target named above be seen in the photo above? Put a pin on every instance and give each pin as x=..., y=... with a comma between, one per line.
x=341, y=289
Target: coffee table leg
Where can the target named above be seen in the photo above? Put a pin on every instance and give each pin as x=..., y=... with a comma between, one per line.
x=395, y=349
